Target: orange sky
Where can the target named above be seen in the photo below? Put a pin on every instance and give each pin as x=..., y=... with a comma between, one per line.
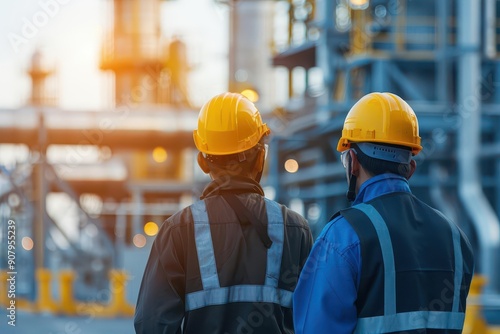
x=69, y=32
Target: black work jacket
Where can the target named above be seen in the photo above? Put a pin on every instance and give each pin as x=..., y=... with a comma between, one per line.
x=173, y=268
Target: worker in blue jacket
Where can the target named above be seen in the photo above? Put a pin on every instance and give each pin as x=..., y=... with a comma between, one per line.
x=229, y=262
x=390, y=263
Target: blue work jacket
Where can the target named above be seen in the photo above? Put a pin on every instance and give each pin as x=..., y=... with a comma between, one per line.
x=327, y=298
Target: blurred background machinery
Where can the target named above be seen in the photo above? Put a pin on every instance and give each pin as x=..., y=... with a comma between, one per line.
x=441, y=57
x=97, y=184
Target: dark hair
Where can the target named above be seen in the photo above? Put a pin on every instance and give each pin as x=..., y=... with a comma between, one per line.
x=378, y=166
x=238, y=163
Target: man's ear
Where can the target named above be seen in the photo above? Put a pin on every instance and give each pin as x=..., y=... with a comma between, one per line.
x=355, y=163
x=259, y=161
x=203, y=163
x=413, y=167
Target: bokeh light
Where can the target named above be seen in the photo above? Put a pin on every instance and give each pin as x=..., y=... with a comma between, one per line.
x=291, y=166
x=251, y=95
x=160, y=154
x=139, y=240
x=27, y=243
x=151, y=229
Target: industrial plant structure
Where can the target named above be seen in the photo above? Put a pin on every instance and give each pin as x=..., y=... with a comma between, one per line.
x=442, y=57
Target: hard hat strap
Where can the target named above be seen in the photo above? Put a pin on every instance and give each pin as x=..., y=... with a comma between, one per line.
x=351, y=192
x=385, y=152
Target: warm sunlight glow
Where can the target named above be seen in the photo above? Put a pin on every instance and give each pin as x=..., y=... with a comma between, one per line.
x=251, y=95
x=160, y=154
x=359, y=4
x=151, y=229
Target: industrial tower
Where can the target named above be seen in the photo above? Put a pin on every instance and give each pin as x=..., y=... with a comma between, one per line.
x=441, y=57
x=150, y=75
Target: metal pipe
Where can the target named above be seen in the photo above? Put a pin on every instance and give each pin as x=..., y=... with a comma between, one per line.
x=120, y=232
x=326, y=17
x=439, y=198
x=470, y=190
x=443, y=62
x=291, y=9
x=233, y=24
x=250, y=33
x=490, y=35
x=137, y=218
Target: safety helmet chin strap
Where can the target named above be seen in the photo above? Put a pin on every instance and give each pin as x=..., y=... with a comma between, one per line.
x=258, y=177
x=259, y=174
x=351, y=192
x=260, y=161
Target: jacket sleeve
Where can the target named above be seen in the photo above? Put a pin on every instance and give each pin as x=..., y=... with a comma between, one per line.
x=324, y=300
x=160, y=305
x=309, y=242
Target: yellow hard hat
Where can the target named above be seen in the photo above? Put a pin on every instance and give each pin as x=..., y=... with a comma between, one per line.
x=228, y=123
x=383, y=118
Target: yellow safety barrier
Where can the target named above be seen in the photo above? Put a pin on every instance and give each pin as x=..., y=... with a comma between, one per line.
x=118, y=304
x=45, y=302
x=26, y=305
x=4, y=300
x=67, y=303
x=474, y=320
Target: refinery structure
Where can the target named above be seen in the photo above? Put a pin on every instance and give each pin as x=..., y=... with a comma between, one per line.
x=304, y=63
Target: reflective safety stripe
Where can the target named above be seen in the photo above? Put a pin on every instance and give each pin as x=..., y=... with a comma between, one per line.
x=276, y=231
x=457, y=250
x=212, y=293
x=204, y=246
x=238, y=293
x=398, y=322
x=387, y=256
x=409, y=321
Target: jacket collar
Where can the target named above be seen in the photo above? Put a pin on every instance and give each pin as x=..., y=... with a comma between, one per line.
x=380, y=185
x=232, y=185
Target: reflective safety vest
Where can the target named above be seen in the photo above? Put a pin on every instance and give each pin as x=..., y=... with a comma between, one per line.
x=416, y=267
x=213, y=293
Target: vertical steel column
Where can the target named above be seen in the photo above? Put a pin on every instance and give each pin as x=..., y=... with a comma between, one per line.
x=490, y=29
x=291, y=9
x=443, y=63
x=325, y=11
x=233, y=27
x=274, y=169
x=38, y=221
x=379, y=75
x=469, y=110
x=137, y=218
x=120, y=232
x=251, y=34
x=399, y=33
x=40, y=193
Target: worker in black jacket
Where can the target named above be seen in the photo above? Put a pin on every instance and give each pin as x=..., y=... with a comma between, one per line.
x=230, y=262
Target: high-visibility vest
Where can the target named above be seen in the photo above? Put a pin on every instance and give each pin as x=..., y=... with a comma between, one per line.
x=416, y=267
x=213, y=293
